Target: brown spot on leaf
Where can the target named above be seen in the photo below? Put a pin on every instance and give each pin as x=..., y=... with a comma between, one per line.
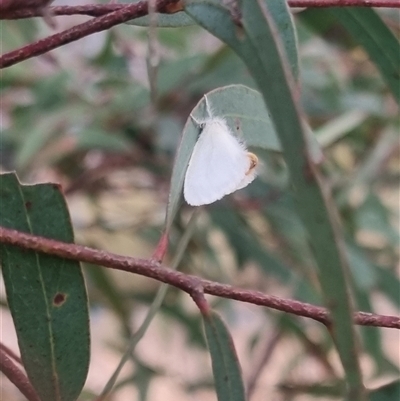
x=28, y=205
x=59, y=299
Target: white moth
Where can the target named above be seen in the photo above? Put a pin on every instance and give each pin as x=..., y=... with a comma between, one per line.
x=220, y=164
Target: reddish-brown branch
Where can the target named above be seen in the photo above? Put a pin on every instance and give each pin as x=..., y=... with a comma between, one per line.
x=97, y=10
x=109, y=15
x=98, y=24
x=187, y=283
x=10, y=353
x=344, y=3
x=17, y=377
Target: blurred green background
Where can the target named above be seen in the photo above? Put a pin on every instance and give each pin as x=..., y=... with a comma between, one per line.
x=83, y=116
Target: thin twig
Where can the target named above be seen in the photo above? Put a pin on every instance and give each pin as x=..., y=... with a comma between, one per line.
x=10, y=353
x=153, y=269
x=98, y=24
x=344, y=3
x=97, y=10
x=154, y=307
x=17, y=377
x=109, y=15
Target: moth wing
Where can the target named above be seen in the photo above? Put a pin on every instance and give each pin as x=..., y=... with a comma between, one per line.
x=218, y=164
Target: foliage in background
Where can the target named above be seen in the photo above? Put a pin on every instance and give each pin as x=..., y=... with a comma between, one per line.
x=84, y=117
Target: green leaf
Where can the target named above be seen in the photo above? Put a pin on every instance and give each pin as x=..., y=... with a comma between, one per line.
x=338, y=127
x=257, y=46
x=368, y=29
x=376, y=216
x=103, y=281
x=225, y=364
x=389, y=284
x=372, y=215
x=316, y=390
x=46, y=294
x=142, y=378
x=174, y=73
x=362, y=269
x=18, y=33
x=283, y=21
x=154, y=307
x=247, y=246
x=372, y=341
x=166, y=21
x=209, y=13
x=35, y=140
x=284, y=219
x=388, y=392
x=245, y=112
x=279, y=11
x=96, y=138
x=163, y=20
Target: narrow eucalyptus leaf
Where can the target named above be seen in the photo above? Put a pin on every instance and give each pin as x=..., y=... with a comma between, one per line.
x=225, y=364
x=46, y=295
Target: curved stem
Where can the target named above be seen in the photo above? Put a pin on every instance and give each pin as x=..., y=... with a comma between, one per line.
x=121, y=15
x=154, y=270
x=109, y=15
x=17, y=377
x=97, y=10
